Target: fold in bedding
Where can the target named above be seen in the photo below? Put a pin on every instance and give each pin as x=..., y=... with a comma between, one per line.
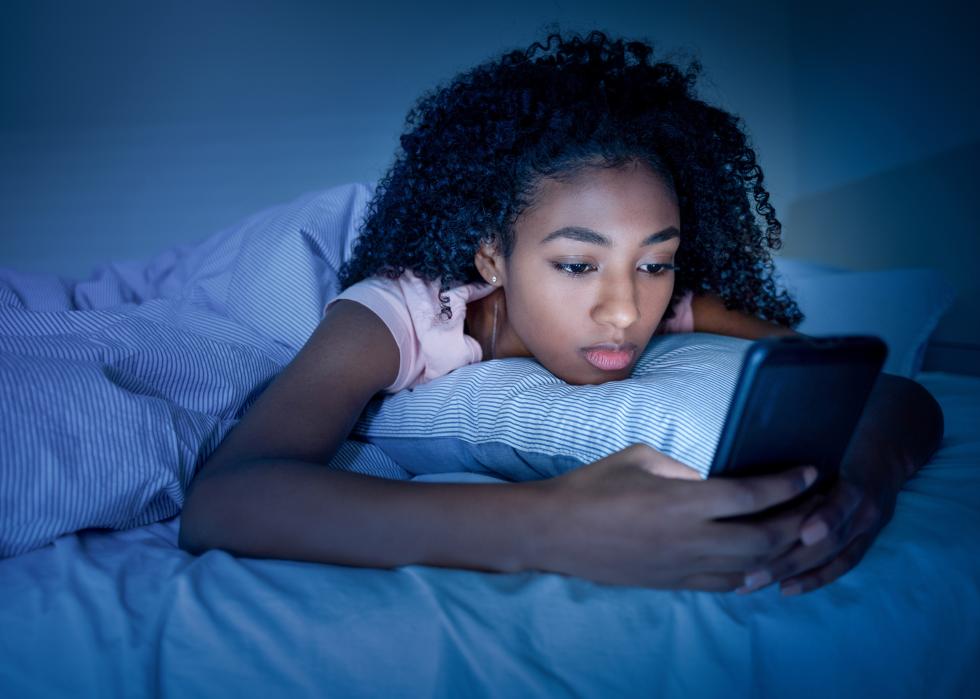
x=114, y=389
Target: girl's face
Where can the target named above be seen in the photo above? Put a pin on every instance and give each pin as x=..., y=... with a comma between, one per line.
x=589, y=278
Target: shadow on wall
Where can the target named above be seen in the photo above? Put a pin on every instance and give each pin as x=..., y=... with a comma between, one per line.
x=918, y=215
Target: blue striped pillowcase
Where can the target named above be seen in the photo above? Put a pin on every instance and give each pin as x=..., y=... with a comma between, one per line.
x=512, y=419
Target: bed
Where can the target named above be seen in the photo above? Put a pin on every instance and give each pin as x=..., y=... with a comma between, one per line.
x=117, y=609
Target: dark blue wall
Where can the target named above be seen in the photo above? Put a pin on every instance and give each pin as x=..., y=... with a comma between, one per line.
x=127, y=127
x=887, y=138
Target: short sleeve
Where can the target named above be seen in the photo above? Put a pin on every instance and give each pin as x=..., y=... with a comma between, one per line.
x=386, y=299
x=429, y=344
x=683, y=320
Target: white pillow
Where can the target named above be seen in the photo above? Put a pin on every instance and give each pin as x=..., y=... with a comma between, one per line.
x=902, y=306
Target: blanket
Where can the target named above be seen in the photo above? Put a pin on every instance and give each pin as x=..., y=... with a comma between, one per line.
x=117, y=387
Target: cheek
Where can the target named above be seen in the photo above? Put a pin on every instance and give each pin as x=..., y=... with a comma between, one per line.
x=655, y=303
x=546, y=316
x=559, y=310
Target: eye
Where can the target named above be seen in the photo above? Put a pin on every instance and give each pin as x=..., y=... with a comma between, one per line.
x=658, y=269
x=572, y=269
x=577, y=269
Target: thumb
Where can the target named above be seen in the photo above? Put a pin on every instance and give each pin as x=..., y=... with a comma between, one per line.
x=666, y=467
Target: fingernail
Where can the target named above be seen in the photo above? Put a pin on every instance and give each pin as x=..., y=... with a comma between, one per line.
x=809, y=475
x=793, y=589
x=758, y=579
x=813, y=533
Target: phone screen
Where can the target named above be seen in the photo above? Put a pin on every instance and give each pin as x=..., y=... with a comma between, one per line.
x=798, y=402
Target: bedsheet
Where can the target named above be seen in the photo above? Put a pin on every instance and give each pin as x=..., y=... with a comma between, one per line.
x=128, y=614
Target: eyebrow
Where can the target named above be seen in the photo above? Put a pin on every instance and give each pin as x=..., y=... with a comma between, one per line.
x=587, y=235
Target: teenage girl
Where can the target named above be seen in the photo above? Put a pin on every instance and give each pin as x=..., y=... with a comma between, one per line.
x=564, y=203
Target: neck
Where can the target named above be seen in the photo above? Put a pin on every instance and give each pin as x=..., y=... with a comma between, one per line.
x=479, y=324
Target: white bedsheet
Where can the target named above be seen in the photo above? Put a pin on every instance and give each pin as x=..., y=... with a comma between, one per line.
x=107, y=614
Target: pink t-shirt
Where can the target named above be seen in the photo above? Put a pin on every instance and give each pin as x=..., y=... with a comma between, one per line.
x=429, y=345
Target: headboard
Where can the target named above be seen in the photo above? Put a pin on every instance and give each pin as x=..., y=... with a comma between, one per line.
x=918, y=215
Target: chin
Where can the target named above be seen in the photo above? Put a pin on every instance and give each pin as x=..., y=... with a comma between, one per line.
x=584, y=374
x=598, y=377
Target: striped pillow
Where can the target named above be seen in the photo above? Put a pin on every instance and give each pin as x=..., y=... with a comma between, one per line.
x=515, y=420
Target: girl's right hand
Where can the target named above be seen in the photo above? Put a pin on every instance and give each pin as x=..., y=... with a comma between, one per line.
x=641, y=518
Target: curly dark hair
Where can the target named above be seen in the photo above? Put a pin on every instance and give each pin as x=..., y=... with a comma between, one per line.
x=475, y=151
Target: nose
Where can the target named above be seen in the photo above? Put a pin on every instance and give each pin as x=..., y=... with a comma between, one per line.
x=616, y=305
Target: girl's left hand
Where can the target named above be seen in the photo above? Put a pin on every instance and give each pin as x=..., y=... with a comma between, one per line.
x=834, y=536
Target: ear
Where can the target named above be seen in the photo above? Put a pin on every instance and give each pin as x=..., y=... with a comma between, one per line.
x=489, y=262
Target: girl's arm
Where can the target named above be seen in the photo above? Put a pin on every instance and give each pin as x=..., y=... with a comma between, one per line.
x=265, y=493
x=711, y=316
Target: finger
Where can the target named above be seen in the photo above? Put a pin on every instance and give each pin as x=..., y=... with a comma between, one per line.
x=797, y=560
x=727, y=496
x=736, y=565
x=829, y=572
x=660, y=464
x=830, y=516
x=712, y=582
x=670, y=468
x=759, y=541
x=802, y=558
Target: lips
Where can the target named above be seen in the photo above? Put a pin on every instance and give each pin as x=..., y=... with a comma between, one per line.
x=610, y=357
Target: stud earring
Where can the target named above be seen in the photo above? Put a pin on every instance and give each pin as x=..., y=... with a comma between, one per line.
x=493, y=280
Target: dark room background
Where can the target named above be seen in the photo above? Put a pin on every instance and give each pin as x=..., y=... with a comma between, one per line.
x=128, y=127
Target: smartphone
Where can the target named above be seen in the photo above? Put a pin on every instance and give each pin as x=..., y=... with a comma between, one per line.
x=797, y=401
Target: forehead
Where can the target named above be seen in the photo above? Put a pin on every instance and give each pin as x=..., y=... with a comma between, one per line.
x=601, y=198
